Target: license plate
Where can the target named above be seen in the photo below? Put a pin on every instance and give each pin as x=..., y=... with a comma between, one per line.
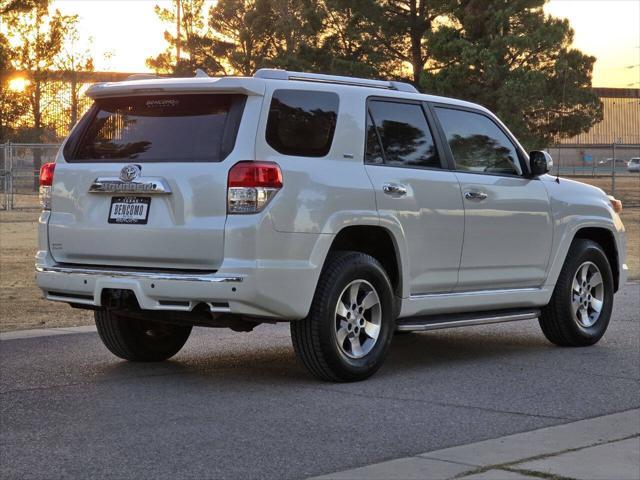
x=129, y=210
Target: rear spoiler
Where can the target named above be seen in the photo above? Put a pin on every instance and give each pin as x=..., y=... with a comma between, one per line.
x=165, y=86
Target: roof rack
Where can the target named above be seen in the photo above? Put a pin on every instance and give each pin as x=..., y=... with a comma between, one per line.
x=142, y=76
x=277, y=74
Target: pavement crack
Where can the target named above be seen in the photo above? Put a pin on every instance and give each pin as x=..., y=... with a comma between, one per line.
x=443, y=404
x=513, y=466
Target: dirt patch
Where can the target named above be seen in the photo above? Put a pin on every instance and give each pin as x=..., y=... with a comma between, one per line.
x=22, y=306
x=627, y=187
x=21, y=302
x=628, y=191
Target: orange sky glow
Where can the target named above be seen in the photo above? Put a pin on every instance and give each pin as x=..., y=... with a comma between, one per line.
x=124, y=33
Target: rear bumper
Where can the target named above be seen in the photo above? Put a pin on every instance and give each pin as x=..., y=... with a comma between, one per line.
x=154, y=290
x=268, y=293
x=278, y=285
x=265, y=274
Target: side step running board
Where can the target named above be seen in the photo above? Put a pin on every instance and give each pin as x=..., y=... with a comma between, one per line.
x=437, y=322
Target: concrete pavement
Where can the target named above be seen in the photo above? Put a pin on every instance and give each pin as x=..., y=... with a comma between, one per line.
x=601, y=448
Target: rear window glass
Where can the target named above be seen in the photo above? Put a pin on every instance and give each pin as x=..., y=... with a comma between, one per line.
x=302, y=123
x=178, y=128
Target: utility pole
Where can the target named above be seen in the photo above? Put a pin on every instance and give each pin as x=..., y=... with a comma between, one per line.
x=613, y=167
x=178, y=32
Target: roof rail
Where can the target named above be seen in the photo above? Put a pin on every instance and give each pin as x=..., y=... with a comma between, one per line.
x=142, y=76
x=277, y=74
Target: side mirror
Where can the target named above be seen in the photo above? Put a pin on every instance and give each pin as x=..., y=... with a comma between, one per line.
x=540, y=162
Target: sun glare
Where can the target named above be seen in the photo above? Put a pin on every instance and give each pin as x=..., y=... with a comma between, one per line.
x=18, y=84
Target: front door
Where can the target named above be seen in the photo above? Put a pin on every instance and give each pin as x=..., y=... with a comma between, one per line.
x=508, y=226
x=415, y=192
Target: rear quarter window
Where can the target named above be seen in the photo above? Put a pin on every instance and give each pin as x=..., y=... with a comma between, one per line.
x=162, y=128
x=302, y=123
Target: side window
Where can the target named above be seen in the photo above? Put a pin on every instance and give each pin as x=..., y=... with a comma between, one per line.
x=302, y=123
x=404, y=133
x=374, y=149
x=477, y=143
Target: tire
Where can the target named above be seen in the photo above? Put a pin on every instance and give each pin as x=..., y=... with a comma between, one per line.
x=336, y=342
x=564, y=324
x=139, y=340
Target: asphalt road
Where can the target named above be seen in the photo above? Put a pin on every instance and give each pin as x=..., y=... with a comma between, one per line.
x=237, y=405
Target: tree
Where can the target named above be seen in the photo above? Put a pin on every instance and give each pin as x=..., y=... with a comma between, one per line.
x=400, y=33
x=198, y=47
x=347, y=43
x=511, y=57
x=13, y=105
x=70, y=61
x=40, y=37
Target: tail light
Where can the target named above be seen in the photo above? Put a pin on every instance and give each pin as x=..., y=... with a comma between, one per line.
x=46, y=180
x=252, y=185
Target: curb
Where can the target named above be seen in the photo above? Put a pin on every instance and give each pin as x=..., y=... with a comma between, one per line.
x=45, y=332
x=503, y=457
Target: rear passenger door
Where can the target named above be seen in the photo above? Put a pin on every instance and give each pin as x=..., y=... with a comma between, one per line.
x=508, y=228
x=414, y=192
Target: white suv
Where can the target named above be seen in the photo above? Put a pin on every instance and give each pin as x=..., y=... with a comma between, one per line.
x=350, y=208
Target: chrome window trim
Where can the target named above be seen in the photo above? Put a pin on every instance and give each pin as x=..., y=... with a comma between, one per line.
x=181, y=277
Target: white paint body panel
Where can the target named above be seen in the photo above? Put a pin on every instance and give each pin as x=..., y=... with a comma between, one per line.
x=507, y=236
x=503, y=253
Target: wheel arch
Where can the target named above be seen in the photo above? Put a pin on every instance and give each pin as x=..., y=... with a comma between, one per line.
x=376, y=241
x=606, y=239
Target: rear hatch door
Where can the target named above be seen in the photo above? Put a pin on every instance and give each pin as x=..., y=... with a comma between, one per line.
x=142, y=181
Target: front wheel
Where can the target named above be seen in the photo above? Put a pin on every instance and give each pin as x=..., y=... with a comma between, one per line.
x=349, y=328
x=582, y=301
x=139, y=340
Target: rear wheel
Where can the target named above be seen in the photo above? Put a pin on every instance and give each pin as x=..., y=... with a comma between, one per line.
x=139, y=340
x=350, y=324
x=580, y=308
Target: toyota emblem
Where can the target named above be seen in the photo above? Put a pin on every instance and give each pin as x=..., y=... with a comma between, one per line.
x=130, y=173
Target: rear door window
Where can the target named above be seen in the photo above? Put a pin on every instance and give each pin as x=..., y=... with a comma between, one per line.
x=177, y=128
x=398, y=135
x=302, y=123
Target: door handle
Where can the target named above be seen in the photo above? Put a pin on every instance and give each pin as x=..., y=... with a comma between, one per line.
x=394, y=189
x=477, y=196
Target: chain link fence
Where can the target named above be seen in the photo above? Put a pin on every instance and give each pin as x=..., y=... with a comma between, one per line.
x=21, y=163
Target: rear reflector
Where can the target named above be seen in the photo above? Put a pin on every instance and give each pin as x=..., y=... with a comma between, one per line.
x=46, y=180
x=252, y=185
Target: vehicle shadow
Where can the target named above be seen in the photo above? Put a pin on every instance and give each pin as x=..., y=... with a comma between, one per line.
x=274, y=362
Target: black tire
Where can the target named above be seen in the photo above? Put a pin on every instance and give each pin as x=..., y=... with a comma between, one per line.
x=315, y=339
x=139, y=340
x=559, y=323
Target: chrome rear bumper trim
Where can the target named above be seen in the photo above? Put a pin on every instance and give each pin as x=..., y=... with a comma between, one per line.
x=181, y=277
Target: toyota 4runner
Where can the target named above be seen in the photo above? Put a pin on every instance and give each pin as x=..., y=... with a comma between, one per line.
x=350, y=208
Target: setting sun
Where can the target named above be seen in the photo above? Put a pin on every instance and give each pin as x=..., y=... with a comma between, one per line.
x=18, y=84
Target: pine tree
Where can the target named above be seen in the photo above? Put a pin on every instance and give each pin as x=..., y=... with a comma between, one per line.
x=511, y=57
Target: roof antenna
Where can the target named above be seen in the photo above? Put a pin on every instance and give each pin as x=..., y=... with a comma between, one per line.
x=564, y=90
x=201, y=73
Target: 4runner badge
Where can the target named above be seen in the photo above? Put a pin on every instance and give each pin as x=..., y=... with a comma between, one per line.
x=130, y=173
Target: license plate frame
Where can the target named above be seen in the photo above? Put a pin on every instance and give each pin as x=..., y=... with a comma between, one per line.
x=129, y=210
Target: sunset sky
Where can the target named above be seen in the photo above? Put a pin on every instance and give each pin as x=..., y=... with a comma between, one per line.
x=125, y=33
